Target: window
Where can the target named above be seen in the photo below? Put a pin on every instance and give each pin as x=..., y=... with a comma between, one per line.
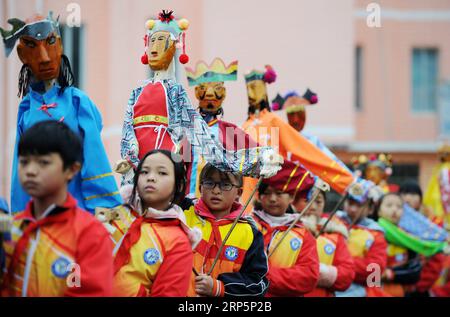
x=424, y=79
x=358, y=77
x=444, y=109
x=73, y=43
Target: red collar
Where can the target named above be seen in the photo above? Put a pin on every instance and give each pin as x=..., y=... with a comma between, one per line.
x=202, y=210
x=70, y=203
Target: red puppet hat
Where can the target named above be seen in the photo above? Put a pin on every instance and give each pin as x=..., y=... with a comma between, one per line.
x=291, y=179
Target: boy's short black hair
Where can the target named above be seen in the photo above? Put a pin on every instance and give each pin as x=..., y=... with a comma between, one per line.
x=209, y=169
x=48, y=137
x=411, y=187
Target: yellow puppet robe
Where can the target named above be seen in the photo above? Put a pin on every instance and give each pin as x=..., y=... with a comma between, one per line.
x=294, y=147
x=433, y=198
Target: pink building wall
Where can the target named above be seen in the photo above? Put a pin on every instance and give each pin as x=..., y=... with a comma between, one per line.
x=386, y=113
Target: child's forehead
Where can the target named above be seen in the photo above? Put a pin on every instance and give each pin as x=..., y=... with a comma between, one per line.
x=392, y=197
x=156, y=160
x=217, y=175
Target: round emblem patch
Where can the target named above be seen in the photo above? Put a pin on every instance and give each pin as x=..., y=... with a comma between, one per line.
x=369, y=243
x=151, y=256
x=231, y=253
x=329, y=249
x=296, y=243
x=60, y=267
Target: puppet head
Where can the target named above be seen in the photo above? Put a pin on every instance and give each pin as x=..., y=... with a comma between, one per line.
x=163, y=42
x=40, y=50
x=256, y=88
x=209, y=84
x=444, y=153
x=376, y=168
x=295, y=107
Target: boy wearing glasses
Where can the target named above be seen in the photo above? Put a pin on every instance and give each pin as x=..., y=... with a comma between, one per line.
x=242, y=265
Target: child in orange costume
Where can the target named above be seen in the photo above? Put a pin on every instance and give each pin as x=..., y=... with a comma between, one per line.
x=336, y=263
x=294, y=264
x=154, y=256
x=66, y=250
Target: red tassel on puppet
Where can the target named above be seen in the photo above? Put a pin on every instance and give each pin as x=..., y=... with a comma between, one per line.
x=144, y=59
x=184, y=58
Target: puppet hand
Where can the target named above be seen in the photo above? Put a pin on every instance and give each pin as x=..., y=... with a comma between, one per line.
x=446, y=250
x=271, y=163
x=320, y=184
x=5, y=223
x=375, y=193
x=359, y=190
x=122, y=167
x=105, y=215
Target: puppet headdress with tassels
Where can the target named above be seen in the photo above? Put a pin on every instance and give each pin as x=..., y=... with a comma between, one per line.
x=166, y=23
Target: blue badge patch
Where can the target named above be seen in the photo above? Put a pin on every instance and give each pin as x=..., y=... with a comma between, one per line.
x=60, y=267
x=295, y=243
x=369, y=243
x=399, y=257
x=329, y=249
x=231, y=253
x=151, y=256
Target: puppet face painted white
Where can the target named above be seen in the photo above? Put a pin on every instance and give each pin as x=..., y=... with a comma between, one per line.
x=161, y=50
x=210, y=96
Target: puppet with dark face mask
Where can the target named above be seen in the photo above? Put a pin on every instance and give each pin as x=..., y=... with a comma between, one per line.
x=45, y=84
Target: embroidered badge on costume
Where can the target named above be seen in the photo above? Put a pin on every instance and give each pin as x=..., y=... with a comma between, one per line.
x=231, y=253
x=151, y=256
x=329, y=249
x=295, y=244
x=60, y=267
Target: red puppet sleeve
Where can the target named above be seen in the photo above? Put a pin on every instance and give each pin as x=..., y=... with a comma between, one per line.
x=377, y=254
x=302, y=277
x=343, y=262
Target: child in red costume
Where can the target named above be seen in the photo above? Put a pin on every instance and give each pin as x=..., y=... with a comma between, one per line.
x=57, y=249
x=293, y=260
x=336, y=263
x=366, y=244
x=154, y=256
x=432, y=266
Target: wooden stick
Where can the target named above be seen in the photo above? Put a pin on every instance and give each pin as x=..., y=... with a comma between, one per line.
x=335, y=209
x=234, y=225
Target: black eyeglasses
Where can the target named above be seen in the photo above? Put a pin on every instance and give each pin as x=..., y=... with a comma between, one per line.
x=223, y=186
